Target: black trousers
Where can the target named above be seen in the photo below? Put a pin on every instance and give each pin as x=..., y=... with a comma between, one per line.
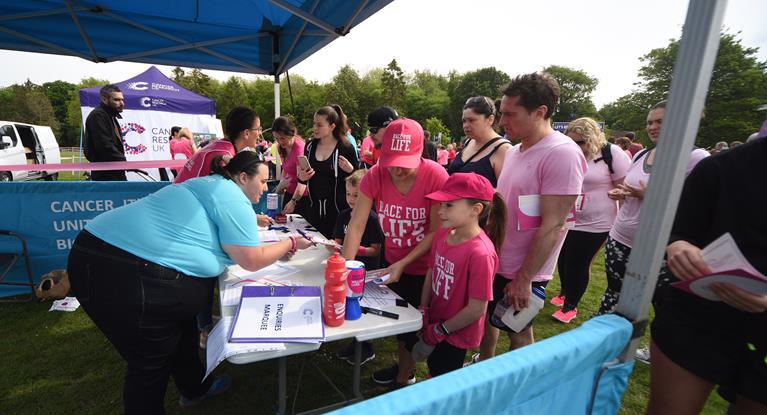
x=574, y=262
x=445, y=358
x=147, y=312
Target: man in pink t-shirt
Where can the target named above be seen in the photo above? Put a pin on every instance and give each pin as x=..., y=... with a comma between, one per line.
x=546, y=171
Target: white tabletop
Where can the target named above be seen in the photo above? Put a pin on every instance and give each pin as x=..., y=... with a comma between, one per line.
x=312, y=272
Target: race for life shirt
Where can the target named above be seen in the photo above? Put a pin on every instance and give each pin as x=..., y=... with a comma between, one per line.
x=627, y=222
x=183, y=146
x=599, y=211
x=199, y=164
x=459, y=273
x=182, y=226
x=404, y=219
x=368, y=145
x=554, y=166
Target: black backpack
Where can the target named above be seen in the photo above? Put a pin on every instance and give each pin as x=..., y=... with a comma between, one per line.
x=607, y=157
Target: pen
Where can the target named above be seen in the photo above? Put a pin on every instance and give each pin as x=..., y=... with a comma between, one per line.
x=306, y=236
x=380, y=312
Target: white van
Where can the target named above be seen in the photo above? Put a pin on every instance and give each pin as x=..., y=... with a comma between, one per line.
x=27, y=144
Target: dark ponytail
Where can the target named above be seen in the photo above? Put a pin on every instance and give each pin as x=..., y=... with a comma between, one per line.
x=244, y=162
x=495, y=211
x=335, y=115
x=238, y=120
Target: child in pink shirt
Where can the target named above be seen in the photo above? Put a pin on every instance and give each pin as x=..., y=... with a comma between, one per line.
x=459, y=282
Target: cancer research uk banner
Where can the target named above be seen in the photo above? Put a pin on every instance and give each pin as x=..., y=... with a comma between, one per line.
x=147, y=133
x=49, y=215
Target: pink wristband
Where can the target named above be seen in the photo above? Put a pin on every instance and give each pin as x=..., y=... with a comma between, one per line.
x=361, y=251
x=293, y=246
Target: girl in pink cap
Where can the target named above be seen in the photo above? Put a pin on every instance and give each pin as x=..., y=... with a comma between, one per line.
x=399, y=184
x=462, y=264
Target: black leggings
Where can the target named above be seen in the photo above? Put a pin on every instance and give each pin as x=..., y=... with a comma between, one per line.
x=574, y=262
x=445, y=358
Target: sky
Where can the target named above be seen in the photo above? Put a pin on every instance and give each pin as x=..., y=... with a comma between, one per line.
x=603, y=38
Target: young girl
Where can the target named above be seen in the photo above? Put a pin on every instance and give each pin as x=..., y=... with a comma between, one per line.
x=463, y=261
x=332, y=158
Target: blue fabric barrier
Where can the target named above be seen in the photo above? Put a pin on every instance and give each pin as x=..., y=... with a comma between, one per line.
x=559, y=375
x=49, y=215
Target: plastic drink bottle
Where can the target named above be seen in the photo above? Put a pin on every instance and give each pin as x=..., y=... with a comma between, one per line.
x=334, y=297
x=518, y=320
x=272, y=204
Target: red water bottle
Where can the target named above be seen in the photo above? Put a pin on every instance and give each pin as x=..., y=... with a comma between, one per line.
x=334, y=301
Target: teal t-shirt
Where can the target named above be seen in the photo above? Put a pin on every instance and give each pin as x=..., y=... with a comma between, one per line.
x=182, y=226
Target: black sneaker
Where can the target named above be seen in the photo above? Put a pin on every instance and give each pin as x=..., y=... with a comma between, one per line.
x=347, y=353
x=388, y=376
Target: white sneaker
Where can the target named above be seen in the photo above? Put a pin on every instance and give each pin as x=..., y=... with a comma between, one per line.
x=474, y=359
x=643, y=355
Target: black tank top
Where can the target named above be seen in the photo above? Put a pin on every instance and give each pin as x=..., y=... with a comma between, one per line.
x=482, y=167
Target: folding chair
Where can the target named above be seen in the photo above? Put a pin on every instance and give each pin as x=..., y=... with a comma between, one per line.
x=8, y=260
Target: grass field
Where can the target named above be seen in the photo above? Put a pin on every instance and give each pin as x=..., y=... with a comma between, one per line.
x=56, y=362
x=71, y=157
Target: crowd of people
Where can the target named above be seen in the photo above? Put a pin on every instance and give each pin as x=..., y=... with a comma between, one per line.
x=452, y=226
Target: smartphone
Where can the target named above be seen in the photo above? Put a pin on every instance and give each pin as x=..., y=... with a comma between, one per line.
x=303, y=162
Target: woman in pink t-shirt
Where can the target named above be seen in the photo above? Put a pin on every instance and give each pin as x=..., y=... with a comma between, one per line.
x=398, y=184
x=290, y=147
x=621, y=237
x=182, y=144
x=462, y=264
x=595, y=213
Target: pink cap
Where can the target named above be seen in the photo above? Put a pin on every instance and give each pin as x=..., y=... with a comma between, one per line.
x=464, y=186
x=402, y=144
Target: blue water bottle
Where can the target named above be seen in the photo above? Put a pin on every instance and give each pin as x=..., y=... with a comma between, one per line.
x=272, y=204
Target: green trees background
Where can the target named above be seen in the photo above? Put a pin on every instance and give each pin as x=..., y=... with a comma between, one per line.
x=738, y=87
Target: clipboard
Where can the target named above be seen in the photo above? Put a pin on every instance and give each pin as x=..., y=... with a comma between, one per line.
x=278, y=314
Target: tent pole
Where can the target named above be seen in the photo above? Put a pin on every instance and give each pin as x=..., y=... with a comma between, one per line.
x=692, y=73
x=276, y=96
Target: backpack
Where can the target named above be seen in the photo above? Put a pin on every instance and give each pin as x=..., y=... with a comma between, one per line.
x=607, y=157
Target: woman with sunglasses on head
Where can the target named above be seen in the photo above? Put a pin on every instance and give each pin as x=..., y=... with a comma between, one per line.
x=332, y=158
x=485, y=150
x=595, y=214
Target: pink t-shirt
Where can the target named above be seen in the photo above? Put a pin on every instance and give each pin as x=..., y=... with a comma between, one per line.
x=461, y=272
x=442, y=157
x=368, y=145
x=181, y=146
x=627, y=222
x=599, y=211
x=555, y=167
x=290, y=165
x=199, y=164
x=404, y=218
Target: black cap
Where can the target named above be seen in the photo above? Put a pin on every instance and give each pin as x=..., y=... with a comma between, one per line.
x=381, y=117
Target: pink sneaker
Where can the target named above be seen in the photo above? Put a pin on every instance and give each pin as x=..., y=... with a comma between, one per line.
x=565, y=316
x=558, y=301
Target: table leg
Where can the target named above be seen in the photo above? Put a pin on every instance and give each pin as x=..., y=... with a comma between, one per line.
x=357, y=369
x=282, y=393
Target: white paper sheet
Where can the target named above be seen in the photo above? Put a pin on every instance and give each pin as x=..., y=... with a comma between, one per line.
x=267, y=236
x=218, y=349
x=288, y=318
x=724, y=255
x=276, y=270
x=378, y=296
x=232, y=292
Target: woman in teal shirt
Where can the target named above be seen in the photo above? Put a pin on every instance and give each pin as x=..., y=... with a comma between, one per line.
x=142, y=272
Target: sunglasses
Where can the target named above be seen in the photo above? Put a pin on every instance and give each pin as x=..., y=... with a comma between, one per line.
x=579, y=142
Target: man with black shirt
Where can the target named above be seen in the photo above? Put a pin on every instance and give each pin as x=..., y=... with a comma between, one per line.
x=698, y=343
x=103, y=138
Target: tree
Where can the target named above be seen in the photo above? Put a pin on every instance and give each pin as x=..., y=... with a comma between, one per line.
x=575, y=87
x=435, y=127
x=196, y=81
x=393, y=82
x=59, y=93
x=345, y=90
x=232, y=94
x=27, y=103
x=486, y=81
x=427, y=96
x=738, y=86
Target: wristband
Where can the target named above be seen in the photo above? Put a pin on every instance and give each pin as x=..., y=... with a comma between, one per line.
x=361, y=251
x=293, y=246
x=444, y=329
x=303, y=181
x=294, y=200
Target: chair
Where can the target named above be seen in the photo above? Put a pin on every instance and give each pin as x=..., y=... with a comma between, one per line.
x=8, y=260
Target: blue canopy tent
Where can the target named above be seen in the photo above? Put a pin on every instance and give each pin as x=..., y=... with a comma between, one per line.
x=255, y=36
